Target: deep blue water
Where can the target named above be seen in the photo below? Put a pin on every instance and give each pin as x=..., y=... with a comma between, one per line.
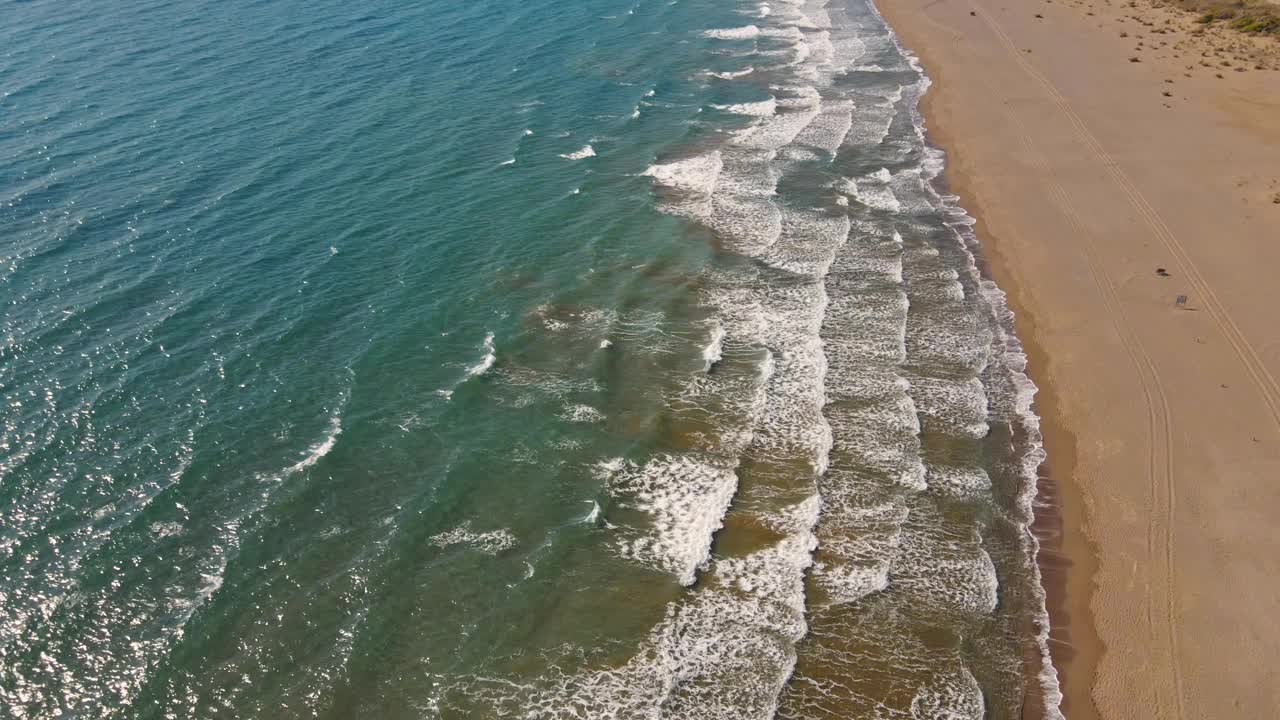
x=492, y=359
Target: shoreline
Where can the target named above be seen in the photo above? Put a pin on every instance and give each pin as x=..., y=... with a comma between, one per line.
x=1029, y=103
x=1067, y=556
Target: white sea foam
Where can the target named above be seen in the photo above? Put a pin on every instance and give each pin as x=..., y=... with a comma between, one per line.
x=954, y=698
x=585, y=151
x=760, y=108
x=800, y=51
x=696, y=174
x=828, y=130
x=786, y=32
x=821, y=50
x=730, y=75
x=888, y=550
x=944, y=569
x=486, y=362
x=895, y=96
x=808, y=242
x=1012, y=367
x=873, y=119
x=912, y=188
x=961, y=482
x=165, y=529
x=859, y=539
x=1013, y=360
x=607, y=468
x=723, y=651
x=582, y=414
x=798, y=96
x=489, y=542
x=872, y=191
x=739, y=33
x=954, y=337
x=779, y=130
x=321, y=448
x=714, y=350
x=818, y=16
x=686, y=498
x=957, y=407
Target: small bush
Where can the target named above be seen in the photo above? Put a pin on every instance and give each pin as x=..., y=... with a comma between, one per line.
x=1263, y=25
x=1250, y=16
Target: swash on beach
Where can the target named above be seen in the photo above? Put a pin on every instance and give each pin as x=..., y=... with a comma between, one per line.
x=499, y=360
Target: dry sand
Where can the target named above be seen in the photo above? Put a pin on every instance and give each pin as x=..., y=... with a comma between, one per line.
x=1088, y=172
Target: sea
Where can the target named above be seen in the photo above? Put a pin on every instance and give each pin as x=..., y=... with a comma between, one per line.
x=549, y=359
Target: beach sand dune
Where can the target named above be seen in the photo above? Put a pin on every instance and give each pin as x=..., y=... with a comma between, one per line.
x=1125, y=169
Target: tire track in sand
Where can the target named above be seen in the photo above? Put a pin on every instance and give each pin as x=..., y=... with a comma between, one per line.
x=1249, y=357
x=1160, y=463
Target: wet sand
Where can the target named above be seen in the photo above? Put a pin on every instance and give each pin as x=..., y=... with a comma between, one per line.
x=1124, y=165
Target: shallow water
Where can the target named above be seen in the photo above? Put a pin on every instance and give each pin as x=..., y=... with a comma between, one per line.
x=488, y=360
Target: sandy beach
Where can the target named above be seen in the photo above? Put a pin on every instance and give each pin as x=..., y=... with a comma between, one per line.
x=1124, y=164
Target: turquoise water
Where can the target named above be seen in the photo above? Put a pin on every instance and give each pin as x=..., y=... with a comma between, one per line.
x=542, y=359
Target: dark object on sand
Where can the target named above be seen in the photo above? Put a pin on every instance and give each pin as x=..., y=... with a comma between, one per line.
x=1162, y=272
x=973, y=14
x=1182, y=300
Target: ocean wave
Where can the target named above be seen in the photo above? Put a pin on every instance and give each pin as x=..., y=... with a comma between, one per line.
x=582, y=414
x=486, y=361
x=864, y=337
x=714, y=350
x=731, y=75
x=581, y=153
x=696, y=174
x=759, y=108
x=739, y=33
x=320, y=448
x=489, y=542
x=873, y=191
x=686, y=497
x=723, y=651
